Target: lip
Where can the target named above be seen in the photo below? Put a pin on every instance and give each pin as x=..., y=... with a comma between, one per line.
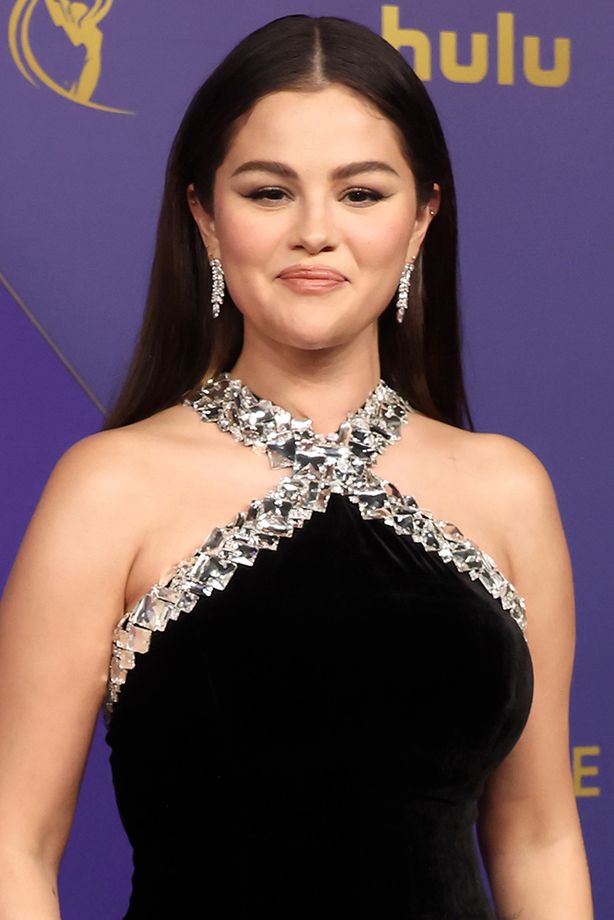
x=312, y=273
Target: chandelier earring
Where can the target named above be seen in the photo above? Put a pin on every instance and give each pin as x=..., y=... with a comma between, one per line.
x=217, y=286
x=404, y=285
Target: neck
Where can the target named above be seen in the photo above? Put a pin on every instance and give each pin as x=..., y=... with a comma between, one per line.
x=323, y=391
x=290, y=440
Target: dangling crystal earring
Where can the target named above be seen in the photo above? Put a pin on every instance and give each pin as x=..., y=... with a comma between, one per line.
x=217, y=286
x=404, y=284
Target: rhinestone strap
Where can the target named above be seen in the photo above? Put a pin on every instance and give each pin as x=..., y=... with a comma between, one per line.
x=290, y=441
x=322, y=464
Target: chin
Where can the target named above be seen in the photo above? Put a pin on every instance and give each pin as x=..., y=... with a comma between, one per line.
x=314, y=336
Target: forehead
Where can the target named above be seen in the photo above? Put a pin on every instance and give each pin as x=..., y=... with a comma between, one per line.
x=327, y=126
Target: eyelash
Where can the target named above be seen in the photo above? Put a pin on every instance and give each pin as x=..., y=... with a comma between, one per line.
x=260, y=194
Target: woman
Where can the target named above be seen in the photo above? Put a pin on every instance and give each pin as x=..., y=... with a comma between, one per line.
x=319, y=683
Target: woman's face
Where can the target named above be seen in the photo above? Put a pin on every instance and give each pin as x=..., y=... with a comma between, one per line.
x=313, y=180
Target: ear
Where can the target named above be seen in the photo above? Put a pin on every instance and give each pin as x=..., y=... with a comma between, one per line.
x=204, y=222
x=425, y=215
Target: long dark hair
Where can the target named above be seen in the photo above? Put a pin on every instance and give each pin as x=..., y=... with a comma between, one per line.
x=179, y=341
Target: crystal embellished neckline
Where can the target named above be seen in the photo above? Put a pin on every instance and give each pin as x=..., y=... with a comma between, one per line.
x=297, y=421
x=338, y=462
x=270, y=428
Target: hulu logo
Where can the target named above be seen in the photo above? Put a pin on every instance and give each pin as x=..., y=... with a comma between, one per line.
x=476, y=70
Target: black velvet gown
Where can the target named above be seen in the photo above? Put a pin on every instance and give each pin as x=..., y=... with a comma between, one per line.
x=302, y=714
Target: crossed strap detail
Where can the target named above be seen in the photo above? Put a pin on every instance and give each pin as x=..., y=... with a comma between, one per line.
x=338, y=462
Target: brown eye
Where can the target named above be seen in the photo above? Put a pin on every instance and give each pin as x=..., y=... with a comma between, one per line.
x=270, y=193
x=363, y=195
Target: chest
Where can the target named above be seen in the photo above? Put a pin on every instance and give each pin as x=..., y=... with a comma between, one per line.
x=188, y=495
x=344, y=640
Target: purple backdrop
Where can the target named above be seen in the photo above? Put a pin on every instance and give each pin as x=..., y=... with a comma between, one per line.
x=524, y=94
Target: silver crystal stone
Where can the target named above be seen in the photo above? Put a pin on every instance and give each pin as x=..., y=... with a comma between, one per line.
x=339, y=462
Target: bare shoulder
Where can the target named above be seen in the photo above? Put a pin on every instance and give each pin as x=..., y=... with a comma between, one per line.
x=102, y=484
x=517, y=472
x=103, y=459
x=90, y=516
x=526, y=501
x=504, y=467
x=95, y=475
x=509, y=471
x=486, y=452
x=522, y=487
x=114, y=462
x=82, y=515
x=124, y=480
x=501, y=481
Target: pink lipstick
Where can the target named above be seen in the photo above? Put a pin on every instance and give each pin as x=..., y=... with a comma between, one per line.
x=311, y=279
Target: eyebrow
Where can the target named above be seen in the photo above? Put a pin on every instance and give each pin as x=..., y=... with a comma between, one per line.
x=341, y=172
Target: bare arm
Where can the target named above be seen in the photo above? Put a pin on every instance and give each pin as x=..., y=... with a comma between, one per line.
x=62, y=598
x=529, y=829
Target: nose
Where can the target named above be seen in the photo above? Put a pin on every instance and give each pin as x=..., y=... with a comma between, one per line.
x=315, y=229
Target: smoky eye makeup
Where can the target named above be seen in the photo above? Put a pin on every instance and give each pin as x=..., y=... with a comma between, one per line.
x=367, y=194
x=357, y=195
x=267, y=192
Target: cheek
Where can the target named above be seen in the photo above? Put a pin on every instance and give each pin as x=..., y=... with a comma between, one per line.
x=245, y=237
x=385, y=240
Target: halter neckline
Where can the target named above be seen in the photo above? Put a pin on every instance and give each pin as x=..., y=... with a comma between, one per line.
x=339, y=462
x=270, y=428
